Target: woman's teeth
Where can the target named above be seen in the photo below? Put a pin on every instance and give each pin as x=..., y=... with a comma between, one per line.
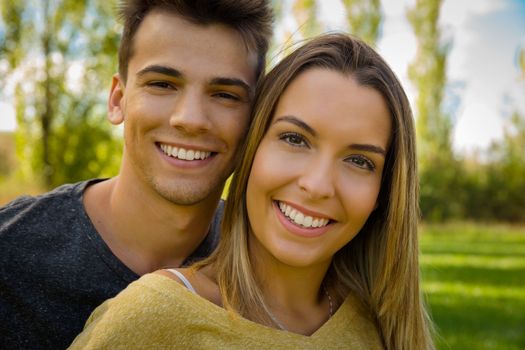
x=301, y=219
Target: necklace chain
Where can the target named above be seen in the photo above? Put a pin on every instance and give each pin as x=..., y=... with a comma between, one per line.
x=330, y=311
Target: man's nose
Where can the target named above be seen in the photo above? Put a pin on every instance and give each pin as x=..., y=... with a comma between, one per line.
x=190, y=113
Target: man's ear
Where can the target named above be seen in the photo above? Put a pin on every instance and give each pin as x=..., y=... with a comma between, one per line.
x=115, y=113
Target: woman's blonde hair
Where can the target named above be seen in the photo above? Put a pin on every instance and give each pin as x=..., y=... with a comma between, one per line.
x=380, y=265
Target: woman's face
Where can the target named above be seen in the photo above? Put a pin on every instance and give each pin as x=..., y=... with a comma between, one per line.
x=316, y=175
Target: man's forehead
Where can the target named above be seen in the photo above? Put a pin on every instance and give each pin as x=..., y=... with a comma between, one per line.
x=169, y=40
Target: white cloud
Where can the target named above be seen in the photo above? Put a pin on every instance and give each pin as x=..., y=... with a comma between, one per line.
x=482, y=57
x=398, y=42
x=480, y=60
x=486, y=35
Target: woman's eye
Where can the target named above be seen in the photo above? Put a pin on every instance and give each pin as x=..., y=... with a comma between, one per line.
x=293, y=139
x=361, y=162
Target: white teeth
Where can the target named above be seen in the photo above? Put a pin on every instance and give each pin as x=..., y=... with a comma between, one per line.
x=301, y=219
x=308, y=221
x=184, y=154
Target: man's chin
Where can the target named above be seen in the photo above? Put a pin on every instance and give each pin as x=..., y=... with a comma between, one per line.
x=188, y=194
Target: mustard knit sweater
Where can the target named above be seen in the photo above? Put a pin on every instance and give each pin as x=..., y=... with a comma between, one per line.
x=156, y=312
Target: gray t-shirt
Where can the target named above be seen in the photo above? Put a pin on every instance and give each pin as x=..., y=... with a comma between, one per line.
x=55, y=269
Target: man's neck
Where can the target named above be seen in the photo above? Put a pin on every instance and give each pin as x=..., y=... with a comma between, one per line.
x=145, y=231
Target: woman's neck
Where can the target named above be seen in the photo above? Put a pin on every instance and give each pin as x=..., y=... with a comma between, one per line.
x=295, y=296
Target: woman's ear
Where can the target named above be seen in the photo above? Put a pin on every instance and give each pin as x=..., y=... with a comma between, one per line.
x=115, y=113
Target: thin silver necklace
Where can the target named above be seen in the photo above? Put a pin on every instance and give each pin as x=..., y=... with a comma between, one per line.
x=330, y=311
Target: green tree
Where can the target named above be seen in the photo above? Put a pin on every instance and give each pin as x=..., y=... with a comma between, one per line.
x=305, y=12
x=439, y=170
x=493, y=185
x=505, y=188
x=364, y=18
x=61, y=55
x=521, y=62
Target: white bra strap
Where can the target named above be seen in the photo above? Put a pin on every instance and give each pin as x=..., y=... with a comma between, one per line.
x=183, y=279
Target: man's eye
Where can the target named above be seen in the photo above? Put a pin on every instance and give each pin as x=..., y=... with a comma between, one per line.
x=227, y=95
x=161, y=85
x=293, y=139
x=361, y=162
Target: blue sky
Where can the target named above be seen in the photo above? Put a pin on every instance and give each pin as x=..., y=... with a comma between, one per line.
x=484, y=60
x=484, y=85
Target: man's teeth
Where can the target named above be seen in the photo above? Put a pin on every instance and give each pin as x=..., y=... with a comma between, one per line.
x=300, y=218
x=182, y=153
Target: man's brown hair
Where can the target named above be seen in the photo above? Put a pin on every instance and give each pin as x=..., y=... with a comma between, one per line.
x=251, y=18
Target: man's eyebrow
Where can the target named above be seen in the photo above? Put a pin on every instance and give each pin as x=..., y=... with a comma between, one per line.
x=172, y=72
x=232, y=82
x=368, y=148
x=298, y=122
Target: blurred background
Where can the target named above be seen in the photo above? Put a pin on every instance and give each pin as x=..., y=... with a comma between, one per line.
x=462, y=64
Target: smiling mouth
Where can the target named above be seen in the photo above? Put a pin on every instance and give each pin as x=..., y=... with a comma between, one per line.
x=184, y=153
x=297, y=217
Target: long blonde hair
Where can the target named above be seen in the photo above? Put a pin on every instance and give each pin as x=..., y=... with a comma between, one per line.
x=380, y=265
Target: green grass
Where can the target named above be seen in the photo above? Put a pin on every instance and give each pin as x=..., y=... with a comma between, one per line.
x=474, y=281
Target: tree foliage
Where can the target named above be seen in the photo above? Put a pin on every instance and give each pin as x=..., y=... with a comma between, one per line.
x=61, y=55
x=521, y=62
x=439, y=170
x=505, y=174
x=494, y=188
x=364, y=19
x=305, y=12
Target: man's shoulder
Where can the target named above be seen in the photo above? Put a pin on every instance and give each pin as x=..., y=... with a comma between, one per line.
x=59, y=195
x=25, y=201
x=44, y=208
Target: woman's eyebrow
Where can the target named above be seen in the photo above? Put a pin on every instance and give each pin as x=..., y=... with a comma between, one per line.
x=296, y=121
x=356, y=146
x=368, y=148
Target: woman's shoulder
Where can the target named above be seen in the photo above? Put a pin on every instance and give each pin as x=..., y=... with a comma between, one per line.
x=144, y=314
x=200, y=282
x=152, y=295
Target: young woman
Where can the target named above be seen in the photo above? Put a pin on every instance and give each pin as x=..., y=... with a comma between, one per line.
x=319, y=242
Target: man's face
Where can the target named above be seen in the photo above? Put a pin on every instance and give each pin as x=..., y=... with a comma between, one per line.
x=185, y=106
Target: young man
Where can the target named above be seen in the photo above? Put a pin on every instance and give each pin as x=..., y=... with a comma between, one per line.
x=187, y=70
